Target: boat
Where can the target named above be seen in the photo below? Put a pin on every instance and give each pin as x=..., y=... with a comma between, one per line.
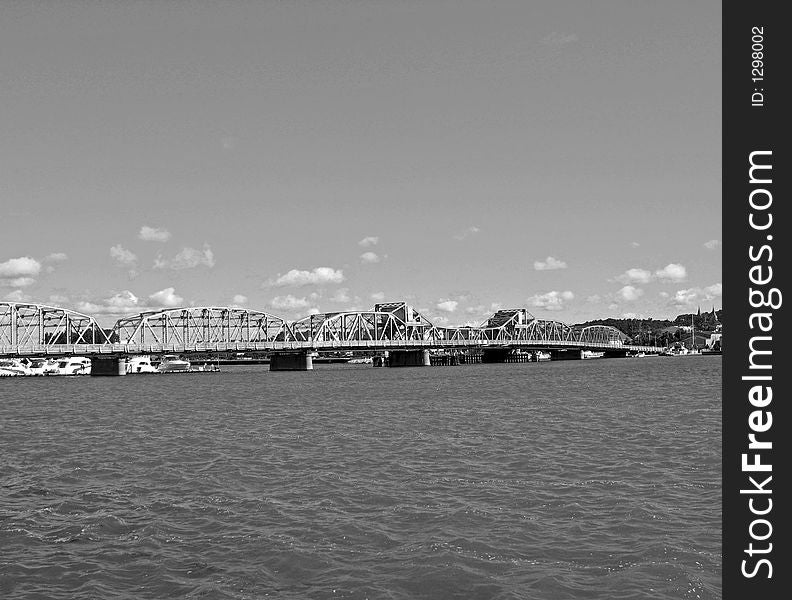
x=140, y=364
x=13, y=367
x=360, y=361
x=586, y=354
x=74, y=365
x=540, y=356
x=170, y=363
x=43, y=366
x=636, y=354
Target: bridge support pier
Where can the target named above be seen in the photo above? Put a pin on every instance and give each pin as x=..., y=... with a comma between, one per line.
x=409, y=358
x=494, y=355
x=292, y=361
x=108, y=366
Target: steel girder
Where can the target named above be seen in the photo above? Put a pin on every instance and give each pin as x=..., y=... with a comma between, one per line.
x=601, y=335
x=37, y=327
x=372, y=326
x=202, y=325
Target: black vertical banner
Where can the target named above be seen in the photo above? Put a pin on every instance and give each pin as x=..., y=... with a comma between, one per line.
x=757, y=420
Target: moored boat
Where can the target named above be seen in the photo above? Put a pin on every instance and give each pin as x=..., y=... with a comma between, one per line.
x=170, y=363
x=140, y=364
x=587, y=354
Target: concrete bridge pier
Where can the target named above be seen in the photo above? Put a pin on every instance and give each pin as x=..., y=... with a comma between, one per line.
x=495, y=355
x=409, y=358
x=292, y=361
x=108, y=366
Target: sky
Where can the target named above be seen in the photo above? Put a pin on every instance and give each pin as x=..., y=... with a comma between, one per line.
x=298, y=157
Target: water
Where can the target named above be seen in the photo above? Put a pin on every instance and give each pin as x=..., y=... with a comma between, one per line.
x=585, y=479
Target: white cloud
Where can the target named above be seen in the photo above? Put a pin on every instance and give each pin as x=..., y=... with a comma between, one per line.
x=19, y=272
x=378, y=296
x=124, y=302
x=551, y=300
x=634, y=244
x=17, y=296
x=447, y=305
x=371, y=240
x=313, y=311
x=152, y=234
x=122, y=256
x=629, y=293
x=58, y=299
x=594, y=299
x=56, y=257
x=672, y=272
x=695, y=295
x=713, y=291
x=473, y=230
x=188, y=258
x=239, y=300
x=712, y=244
x=341, y=295
x=289, y=302
x=550, y=264
x=635, y=276
x=319, y=275
x=369, y=258
x=166, y=298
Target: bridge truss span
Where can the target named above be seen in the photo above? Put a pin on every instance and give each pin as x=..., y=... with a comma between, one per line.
x=201, y=327
x=26, y=328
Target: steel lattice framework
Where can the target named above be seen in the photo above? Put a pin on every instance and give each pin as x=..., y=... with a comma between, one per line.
x=201, y=326
x=42, y=327
x=36, y=328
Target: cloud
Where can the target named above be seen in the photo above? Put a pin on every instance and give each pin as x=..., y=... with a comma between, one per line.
x=369, y=258
x=551, y=300
x=695, y=295
x=289, y=302
x=152, y=234
x=557, y=40
x=550, y=264
x=24, y=266
x=447, y=305
x=239, y=300
x=56, y=257
x=629, y=293
x=313, y=311
x=121, y=303
x=341, y=295
x=166, y=298
x=122, y=256
x=378, y=296
x=317, y=276
x=634, y=244
x=712, y=244
x=19, y=272
x=594, y=299
x=473, y=230
x=672, y=272
x=188, y=258
x=371, y=240
x=17, y=296
x=635, y=276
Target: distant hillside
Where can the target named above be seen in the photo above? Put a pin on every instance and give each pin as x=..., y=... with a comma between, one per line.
x=661, y=332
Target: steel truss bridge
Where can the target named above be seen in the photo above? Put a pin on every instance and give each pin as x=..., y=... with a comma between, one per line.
x=36, y=329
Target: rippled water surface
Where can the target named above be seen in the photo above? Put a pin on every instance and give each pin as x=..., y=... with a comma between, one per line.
x=585, y=479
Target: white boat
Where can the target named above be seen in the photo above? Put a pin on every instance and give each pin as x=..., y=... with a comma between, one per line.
x=13, y=367
x=140, y=364
x=74, y=365
x=540, y=356
x=43, y=366
x=360, y=361
x=586, y=354
x=171, y=363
